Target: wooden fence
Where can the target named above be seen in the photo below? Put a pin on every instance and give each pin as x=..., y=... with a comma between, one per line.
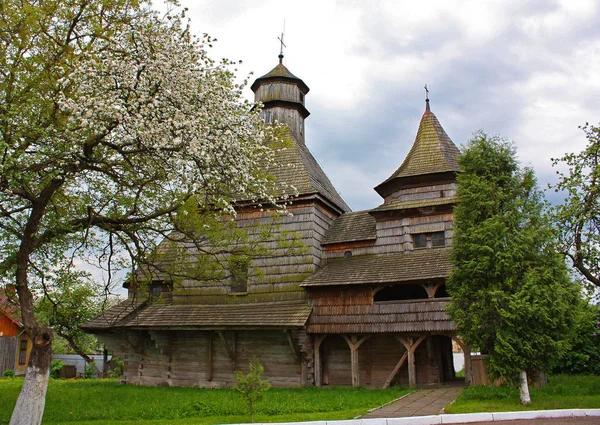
x=8, y=350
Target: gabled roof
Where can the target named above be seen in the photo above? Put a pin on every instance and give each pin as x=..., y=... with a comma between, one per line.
x=10, y=309
x=351, y=227
x=295, y=167
x=280, y=72
x=432, y=152
x=417, y=265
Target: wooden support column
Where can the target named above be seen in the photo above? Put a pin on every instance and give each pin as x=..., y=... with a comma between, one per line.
x=318, y=364
x=411, y=345
x=209, y=361
x=354, y=343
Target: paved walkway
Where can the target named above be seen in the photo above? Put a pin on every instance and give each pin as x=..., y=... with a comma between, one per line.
x=422, y=402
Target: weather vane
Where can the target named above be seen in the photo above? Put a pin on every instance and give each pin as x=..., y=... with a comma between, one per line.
x=282, y=43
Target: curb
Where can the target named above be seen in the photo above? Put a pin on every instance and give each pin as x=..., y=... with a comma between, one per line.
x=462, y=418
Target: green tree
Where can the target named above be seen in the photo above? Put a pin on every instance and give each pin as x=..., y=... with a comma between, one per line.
x=67, y=304
x=113, y=119
x=511, y=294
x=251, y=387
x=578, y=217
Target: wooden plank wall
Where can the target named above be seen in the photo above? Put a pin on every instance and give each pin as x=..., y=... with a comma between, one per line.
x=281, y=271
x=181, y=358
x=433, y=191
x=378, y=357
x=8, y=351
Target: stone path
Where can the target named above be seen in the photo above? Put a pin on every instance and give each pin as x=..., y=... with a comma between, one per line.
x=420, y=403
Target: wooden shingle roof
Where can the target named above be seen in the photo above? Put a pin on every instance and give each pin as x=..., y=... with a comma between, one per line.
x=389, y=268
x=280, y=72
x=350, y=227
x=295, y=167
x=275, y=314
x=116, y=315
x=432, y=152
x=419, y=203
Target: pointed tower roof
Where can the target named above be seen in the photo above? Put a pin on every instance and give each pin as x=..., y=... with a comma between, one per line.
x=432, y=152
x=280, y=73
x=297, y=171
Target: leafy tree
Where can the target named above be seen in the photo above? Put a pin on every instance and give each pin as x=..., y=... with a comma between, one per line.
x=251, y=387
x=578, y=217
x=511, y=294
x=114, y=121
x=584, y=355
x=66, y=305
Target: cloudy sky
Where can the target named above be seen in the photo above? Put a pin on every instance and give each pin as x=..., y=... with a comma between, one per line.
x=527, y=70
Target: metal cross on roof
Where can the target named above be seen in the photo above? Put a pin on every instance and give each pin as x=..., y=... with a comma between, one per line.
x=282, y=43
x=426, y=92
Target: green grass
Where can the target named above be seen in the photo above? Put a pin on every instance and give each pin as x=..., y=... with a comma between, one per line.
x=562, y=392
x=100, y=401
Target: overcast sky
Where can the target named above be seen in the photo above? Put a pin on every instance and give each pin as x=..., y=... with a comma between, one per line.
x=527, y=70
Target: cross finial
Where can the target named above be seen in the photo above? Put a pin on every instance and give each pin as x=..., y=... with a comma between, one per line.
x=426, y=98
x=282, y=43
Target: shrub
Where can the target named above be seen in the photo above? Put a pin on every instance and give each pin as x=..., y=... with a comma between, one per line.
x=9, y=373
x=55, y=368
x=251, y=387
x=90, y=370
x=116, y=365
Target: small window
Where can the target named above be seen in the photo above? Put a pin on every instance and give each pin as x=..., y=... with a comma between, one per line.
x=239, y=267
x=438, y=239
x=420, y=240
x=271, y=89
x=429, y=240
x=23, y=351
x=268, y=117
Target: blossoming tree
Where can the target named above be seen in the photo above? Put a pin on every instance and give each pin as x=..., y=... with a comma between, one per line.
x=113, y=120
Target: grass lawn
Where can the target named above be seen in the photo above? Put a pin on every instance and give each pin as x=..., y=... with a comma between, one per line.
x=562, y=392
x=106, y=402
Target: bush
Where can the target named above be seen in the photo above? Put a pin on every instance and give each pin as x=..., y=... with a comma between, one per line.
x=55, y=368
x=90, y=370
x=116, y=365
x=9, y=373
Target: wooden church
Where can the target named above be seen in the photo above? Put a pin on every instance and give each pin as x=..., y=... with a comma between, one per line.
x=364, y=304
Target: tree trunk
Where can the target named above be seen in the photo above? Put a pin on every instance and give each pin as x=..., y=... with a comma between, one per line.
x=32, y=399
x=524, y=389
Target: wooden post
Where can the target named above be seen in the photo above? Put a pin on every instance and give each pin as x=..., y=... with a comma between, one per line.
x=412, y=369
x=354, y=343
x=318, y=365
x=209, y=369
x=411, y=346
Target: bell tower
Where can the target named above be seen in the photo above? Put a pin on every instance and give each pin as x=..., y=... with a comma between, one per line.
x=282, y=94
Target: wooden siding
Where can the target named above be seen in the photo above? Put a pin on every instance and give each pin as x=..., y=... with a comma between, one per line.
x=444, y=190
x=275, y=277
x=380, y=317
x=285, y=115
x=181, y=358
x=379, y=355
x=8, y=326
x=8, y=352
